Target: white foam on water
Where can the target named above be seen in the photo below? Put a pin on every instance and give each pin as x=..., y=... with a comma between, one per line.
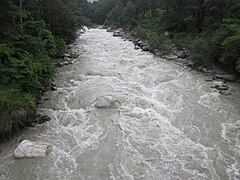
x=158, y=129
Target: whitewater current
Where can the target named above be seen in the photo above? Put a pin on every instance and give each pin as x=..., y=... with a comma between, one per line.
x=168, y=123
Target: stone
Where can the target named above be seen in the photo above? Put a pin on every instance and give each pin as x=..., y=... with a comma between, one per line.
x=105, y=102
x=140, y=43
x=42, y=119
x=225, y=93
x=136, y=47
x=109, y=29
x=170, y=57
x=59, y=64
x=182, y=54
x=29, y=149
x=74, y=55
x=159, y=54
x=67, y=59
x=67, y=55
x=227, y=77
x=71, y=62
x=221, y=87
x=146, y=48
x=117, y=34
x=167, y=34
x=53, y=87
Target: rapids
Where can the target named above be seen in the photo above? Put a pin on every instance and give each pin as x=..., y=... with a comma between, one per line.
x=168, y=122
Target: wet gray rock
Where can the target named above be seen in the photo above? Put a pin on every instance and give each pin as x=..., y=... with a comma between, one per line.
x=42, y=119
x=146, y=48
x=71, y=62
x=225, y=93
x=59, y=64
x=53, y=87
x=182, y=54
x=110, y=29
x=227, y=77
x=170, y=57
x=105, y=102
x=116, y=34
x=135, y=41
x=219, y=85
x=29, y=149
x=140, y=43
x=222, y=87
x=74, y=55
x=67, y=55
x=136, y=47
x=67, y=59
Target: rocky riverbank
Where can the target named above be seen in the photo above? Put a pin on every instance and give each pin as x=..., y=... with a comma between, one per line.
x=219, y=78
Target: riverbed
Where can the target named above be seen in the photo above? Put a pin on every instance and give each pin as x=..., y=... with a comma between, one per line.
x=168, y=123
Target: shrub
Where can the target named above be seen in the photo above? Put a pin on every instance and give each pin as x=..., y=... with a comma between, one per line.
x=226, y=44
x=11, y=100
x=60, y=46
x=200, y=51
x=140, y=32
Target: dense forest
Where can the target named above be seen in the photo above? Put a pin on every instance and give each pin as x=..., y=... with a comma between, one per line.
x=209, y=29
x=32, y=34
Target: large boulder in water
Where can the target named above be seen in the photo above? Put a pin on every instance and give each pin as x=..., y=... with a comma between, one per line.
x=29, y=149
x=105, y=102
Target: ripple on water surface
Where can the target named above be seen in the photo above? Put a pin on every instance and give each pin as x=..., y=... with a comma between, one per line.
x=168, y=123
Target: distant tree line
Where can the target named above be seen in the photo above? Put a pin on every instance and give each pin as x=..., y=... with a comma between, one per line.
x=32, y=33
x=210, y=29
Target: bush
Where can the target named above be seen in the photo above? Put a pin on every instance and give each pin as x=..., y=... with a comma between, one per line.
x=140, y=32
x=11, y=100
x=60, y=46
x=200, y=51
x=226, y=44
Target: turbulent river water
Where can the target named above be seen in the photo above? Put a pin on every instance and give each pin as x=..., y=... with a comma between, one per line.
x=168, y=123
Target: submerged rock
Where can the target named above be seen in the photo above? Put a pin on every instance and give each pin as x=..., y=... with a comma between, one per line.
x=105, y=102
x=29, y=149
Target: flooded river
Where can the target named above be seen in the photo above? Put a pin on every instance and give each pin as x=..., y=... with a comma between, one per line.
x=167, y=123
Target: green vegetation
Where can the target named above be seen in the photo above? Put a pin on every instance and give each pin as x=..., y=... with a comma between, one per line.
x=32, y=34
x=209, y=29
